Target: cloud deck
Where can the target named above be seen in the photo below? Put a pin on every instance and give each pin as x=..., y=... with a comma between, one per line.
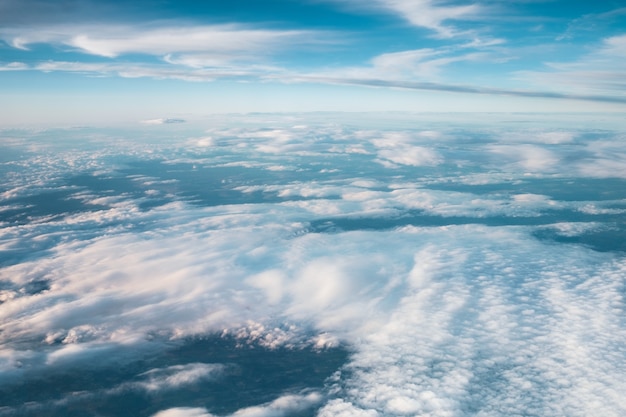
x=355, y=269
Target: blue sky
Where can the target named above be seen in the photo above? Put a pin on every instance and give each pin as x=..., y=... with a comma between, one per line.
x=105, y=61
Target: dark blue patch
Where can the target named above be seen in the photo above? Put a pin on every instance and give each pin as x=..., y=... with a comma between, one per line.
x=255, y=375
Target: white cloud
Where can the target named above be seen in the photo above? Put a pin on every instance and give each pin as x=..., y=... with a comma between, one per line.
x=439, y=319
x=530, y=158
x=179, y=375
x=429, y=14
x=400, y=148
x=184, y=412
x=188, y=52
x=14, y=66
x=598, y=72
x=226, y=42
x=605, y=159
x=153, y=71
x=281, y=406
x=542, y=136
x=413, y=155
x=162, y=121
x=417, y=64
x=425, y=64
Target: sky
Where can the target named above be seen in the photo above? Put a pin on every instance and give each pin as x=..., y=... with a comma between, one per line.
x=101, y=61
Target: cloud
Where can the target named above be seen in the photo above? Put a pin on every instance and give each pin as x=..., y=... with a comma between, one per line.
x=14, y=66
x=183, y=412
x=590, y=23
x=531, y=158
x=188, y=52
x=162, y=121
x=428, y=14
x=417, y=64
x=179, y=375
x=228, y=41
x=282, y=406
x=607, y=97
x=151, y=71
x=446, y=302
x=414, y=155
x=593, y=74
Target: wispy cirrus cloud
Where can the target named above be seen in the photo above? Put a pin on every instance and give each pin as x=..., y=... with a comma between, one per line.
x=601, y=71
x=221, y=43
x=424, y=63
x=468, y=89
x=429, y=14
x=144, y=70
x=590, y=22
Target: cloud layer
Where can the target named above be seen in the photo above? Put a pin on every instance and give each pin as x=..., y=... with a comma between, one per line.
x=460, y=263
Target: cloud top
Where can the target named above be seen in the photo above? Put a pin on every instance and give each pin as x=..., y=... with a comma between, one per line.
x=460, y=263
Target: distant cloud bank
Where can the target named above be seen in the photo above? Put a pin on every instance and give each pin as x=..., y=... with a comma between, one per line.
x=162, y=121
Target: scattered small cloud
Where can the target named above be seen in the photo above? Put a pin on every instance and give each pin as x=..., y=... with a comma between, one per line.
x=282, y=406
x=162, y=121
x=178, y=375
x=184, y=412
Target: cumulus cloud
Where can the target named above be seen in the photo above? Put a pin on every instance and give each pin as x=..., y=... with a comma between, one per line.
x=281, y=406
x=530, y=158
x=183, y=412
x=178, y=375
x=400, y=148
x=445, y=301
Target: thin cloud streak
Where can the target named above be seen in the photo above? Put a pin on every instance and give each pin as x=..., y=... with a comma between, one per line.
x=430, y=86
x=269, y=73
x=111, y=41
x=600, y=70
x=426, y=14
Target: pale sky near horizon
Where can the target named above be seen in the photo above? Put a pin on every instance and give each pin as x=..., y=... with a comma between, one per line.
x=84, y=61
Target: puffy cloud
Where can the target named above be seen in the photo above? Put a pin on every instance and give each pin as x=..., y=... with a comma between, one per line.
x=400, y=148
x=414, y=155
x=178, y=375
x=183, y=412
x=530, y=158
x=281, y=406
x=447, y=306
